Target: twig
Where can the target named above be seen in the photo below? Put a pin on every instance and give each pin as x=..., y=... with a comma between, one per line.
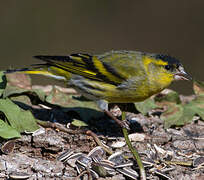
x=47, y=124
x=134, y=151
x=105, y=148
x=182, y=163
x=81, y=174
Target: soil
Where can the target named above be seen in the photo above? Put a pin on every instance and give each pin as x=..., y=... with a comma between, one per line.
x=173, y=153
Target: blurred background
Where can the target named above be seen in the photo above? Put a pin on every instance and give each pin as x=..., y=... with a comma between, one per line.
x=48, y=27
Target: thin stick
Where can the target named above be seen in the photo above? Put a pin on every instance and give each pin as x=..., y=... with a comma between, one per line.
x=134, y=151
x=47, y=124
x=97, y=140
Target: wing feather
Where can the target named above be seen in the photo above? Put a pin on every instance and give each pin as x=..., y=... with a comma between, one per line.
x=85, y=65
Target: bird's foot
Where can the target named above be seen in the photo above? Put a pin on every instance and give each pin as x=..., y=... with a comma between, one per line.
x=122, y=124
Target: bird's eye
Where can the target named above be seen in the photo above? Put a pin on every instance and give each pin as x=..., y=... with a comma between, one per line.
x=168, y=67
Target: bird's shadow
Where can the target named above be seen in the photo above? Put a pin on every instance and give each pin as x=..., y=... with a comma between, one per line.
x=97, y=121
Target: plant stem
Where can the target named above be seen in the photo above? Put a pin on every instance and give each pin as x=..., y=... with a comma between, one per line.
x=134, y=151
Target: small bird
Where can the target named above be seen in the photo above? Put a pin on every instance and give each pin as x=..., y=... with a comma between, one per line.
x=115, y=76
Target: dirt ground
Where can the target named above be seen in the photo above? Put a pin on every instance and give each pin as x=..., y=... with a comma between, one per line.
x=167, y=154
x=62, y=150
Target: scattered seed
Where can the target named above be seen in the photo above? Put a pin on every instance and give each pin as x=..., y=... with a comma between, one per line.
x=79, y=168
x=106, y=148
x=136, y=137
x=117, y=158
x=126, y=164
x=96, y=154
x=108, y=165
x=65, y=155
x=129, y=172
x=94, y=174
x=198, y=161
x=19, y=175
x=118, y=144
x=39, y=131
x=162, y=174
x=75, y=156
x=8, y=147
x=84, y=160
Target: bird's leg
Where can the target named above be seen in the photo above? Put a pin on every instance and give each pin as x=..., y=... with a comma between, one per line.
x=122, y=124
x=125, y=127
x=103, y=105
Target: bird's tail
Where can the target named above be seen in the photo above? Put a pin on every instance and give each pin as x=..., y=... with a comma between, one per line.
x=62, y=67
x=43, y=69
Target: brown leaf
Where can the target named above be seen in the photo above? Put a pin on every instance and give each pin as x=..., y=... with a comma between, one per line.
x=19, y=80
x=198, y=87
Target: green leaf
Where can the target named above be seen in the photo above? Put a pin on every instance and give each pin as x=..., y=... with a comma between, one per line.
x=145, y=106
x=2, y=82
x=20, y=84
x=19, y=119
x=178, y=114
x=172, y=115
x=13, y=90
x=186, y=117
x=22, y=99
x=172, y=96
x=197, y=106
x=59, y=98
x=78, y=123
x=7, y=132
x=39, y=93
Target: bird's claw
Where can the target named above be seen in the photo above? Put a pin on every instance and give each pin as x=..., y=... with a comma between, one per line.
x=124, y=124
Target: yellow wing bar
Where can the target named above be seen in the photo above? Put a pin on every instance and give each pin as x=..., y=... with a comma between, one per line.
x=84, y=65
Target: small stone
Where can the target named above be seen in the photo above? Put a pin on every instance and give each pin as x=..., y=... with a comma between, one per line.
x=185, y=145
x=49, y=140
x=199, y=144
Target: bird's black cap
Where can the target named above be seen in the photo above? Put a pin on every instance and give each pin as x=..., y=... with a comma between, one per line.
x=169, y=59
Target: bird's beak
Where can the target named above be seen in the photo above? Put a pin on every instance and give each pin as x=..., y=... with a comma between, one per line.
x=182, y=75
